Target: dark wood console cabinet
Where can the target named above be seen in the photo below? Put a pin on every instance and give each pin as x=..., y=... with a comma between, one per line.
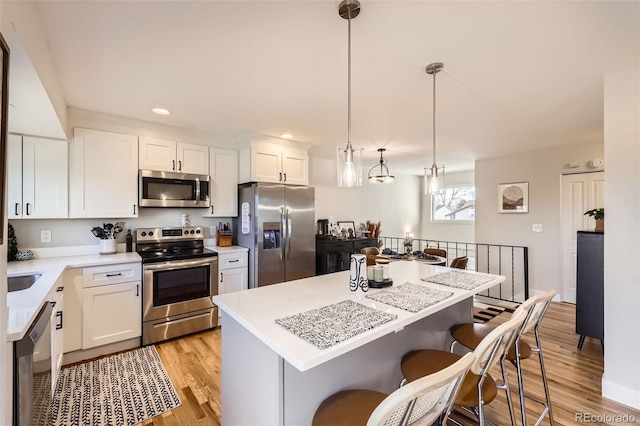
x=590, y=286
x=334, y=255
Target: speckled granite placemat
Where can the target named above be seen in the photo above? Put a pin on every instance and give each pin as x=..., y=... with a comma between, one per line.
x=458, y=279
x=410, y=297
x=329, y=325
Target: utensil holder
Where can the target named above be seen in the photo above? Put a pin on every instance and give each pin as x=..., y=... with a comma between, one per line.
x=107, y=246
x=358, y=273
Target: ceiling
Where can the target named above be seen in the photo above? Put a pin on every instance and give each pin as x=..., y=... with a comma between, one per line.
x=517, y=75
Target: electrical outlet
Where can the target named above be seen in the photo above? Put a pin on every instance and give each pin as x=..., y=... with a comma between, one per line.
x=537, y=227
x=45, y=236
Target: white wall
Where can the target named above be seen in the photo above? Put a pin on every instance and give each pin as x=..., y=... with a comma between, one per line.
x=543, y=170
x=25, y=18
x=621, y=379
x=396, y=205
x=452, y=231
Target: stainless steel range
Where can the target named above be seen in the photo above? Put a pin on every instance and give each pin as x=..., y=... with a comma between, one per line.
x=179, y=279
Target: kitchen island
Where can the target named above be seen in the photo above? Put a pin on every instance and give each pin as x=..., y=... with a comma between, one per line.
x=270, y=376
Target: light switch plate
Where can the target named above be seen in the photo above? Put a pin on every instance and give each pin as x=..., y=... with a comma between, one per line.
x=536, y=227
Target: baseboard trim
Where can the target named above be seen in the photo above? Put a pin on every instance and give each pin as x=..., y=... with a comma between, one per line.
x=87, y=354
x=620, y=393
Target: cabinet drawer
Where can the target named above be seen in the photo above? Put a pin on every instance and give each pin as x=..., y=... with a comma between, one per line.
x=232, y=260
x=111, y=274
x=357, y=245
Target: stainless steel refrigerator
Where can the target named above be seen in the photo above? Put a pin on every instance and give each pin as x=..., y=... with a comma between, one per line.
x=277, y=224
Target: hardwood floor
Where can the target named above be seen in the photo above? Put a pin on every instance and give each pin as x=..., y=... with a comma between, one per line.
x=193, y=363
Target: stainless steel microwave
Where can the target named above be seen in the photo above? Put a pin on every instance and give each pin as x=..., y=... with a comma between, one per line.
x=168, y=189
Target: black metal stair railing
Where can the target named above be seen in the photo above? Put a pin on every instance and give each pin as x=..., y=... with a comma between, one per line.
x=499, y=259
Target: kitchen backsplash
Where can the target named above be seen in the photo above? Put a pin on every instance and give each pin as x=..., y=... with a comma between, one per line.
x=77, y=232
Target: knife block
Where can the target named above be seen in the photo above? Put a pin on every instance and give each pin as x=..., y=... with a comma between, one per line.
x=224, y=238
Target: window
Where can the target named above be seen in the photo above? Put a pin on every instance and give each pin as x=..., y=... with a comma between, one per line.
x=456, y=203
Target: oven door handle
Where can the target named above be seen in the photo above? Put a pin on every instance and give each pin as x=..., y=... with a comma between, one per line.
x=179, y=264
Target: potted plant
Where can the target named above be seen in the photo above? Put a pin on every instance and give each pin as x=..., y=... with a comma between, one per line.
x=598, y=215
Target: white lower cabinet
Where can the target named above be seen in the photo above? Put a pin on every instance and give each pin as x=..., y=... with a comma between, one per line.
x=103, y=304
x=111, y=313
x=233, y=274
x=57, y=336
x=232, y=280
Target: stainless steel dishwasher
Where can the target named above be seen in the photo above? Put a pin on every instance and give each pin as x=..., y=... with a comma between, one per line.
x=32, y=372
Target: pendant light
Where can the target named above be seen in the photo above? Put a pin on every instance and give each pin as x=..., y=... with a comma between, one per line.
x=434, y=181
x=349, y=158
x=384, y=176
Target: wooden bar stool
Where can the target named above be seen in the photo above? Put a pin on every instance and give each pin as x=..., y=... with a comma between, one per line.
x=459, y=262
x=423, y=401
x=371, y=253
x=470, y=335
x=478, y=387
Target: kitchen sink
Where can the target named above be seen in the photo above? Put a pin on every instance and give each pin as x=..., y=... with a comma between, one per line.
x=21, y=282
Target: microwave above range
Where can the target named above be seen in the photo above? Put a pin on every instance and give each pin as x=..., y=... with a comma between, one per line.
x=169, y=189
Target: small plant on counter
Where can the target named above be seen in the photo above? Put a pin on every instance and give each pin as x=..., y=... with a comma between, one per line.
x=597, y=214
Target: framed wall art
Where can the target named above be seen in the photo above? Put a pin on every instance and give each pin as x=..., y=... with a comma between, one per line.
x=513, y=197
x=347, y=230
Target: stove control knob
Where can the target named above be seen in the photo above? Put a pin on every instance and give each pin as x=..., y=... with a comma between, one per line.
x=192, y=231
x=144, y=234
x=186, y=232
x=197, y=231
x=151, y=233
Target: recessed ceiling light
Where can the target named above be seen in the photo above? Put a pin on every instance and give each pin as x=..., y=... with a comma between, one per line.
x=286, y=136
x=161, y=111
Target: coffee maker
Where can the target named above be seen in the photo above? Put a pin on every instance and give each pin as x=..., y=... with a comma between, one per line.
x=322, y=230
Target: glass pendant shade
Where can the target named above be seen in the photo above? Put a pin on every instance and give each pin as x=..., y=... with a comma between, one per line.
x=434, y=180
x=380, y=172
x=349, y=166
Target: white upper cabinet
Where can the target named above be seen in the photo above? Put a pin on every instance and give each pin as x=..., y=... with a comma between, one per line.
x=268, y=162
x=223, y=187
x=170, y=156
x=104, y=174
x=38, y=178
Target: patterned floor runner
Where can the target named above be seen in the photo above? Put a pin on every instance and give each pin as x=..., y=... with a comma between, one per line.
x=118, y=390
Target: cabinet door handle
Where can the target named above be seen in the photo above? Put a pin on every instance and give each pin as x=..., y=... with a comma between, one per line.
x=285, y=177
x=28, y=204
x=221, y=276
x=59, y=324
x=173, y=165
x=17, y=209
x=234, y=261
x=115, y=275
x=179, y=166
x=53, y=304
x=60, y=289
x=134, y=209
x=280, y=179
x=137, y=290
x=211, y=209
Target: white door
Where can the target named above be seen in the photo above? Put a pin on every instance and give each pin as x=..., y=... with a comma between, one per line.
x=223, y=187
x=580, y=192
x=111, y=313
x=193, y=159
x=44, y=178
x=266, y=163
x=231, y=280
x=295, y=168
x=104, y=174
x=157, y=154
x=14, y=184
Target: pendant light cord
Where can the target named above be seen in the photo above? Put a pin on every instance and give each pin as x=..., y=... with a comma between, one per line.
x=434, y=118
x=349, y=84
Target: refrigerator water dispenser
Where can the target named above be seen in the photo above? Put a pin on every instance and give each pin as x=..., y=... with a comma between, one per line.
x=271, y=235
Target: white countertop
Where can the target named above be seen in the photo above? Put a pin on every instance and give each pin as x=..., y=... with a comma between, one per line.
x=24, y=305
x=227, y=250
x=257, y=309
